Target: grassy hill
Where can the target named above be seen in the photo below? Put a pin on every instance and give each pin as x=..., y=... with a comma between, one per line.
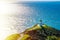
x=41, y=33
x=13, y=37
x=37, y=33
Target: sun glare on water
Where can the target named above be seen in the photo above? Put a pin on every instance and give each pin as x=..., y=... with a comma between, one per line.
x=6, y=8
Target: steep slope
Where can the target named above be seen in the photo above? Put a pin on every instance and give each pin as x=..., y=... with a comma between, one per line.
x=41, y=33
x=37, y=32
x=13, y=37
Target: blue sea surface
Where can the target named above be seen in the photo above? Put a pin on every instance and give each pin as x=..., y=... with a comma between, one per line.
x=49, y=12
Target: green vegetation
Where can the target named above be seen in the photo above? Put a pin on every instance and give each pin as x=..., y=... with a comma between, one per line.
x=37, y=33
x=13, y=37
x=51, y=38
x=41, y=33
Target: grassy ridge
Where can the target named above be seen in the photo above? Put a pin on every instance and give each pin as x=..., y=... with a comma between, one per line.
x=41, y=33
x=37, y=33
